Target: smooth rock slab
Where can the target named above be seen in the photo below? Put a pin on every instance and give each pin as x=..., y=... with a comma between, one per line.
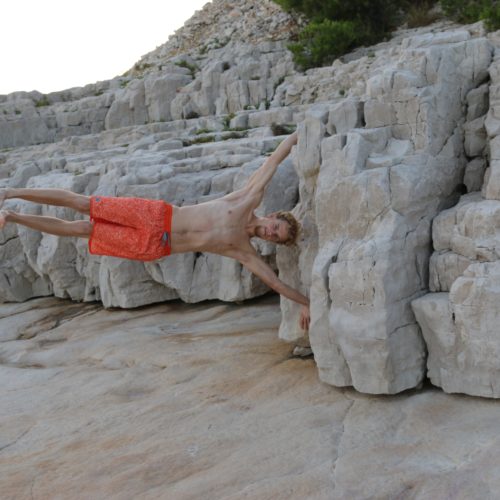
x=187, y=402
x=170, y=401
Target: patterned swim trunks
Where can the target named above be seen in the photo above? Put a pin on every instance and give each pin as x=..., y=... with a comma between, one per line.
x=131, y=228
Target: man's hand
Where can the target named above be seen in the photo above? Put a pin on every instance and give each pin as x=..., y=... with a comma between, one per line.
x=305, y=318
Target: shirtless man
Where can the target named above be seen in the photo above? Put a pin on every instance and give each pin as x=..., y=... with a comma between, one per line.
x=223, y=226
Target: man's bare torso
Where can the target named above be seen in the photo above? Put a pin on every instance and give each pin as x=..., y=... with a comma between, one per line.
x=216, y=226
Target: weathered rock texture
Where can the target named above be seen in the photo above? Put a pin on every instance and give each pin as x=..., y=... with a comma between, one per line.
x=375, y=168
x=460, y=321
x=220, y=22
x=389, y=138
x=186, y=402
x=174, y=136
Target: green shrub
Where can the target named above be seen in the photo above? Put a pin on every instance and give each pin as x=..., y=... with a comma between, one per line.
x=142, y=67
x=234, y=135
x=337, y=26
x=282, y=129
x=378, y=13
x=463, y=11
x=200, y=140
x=227, y=120
x=191, y=67
x=374, y=16
x=44, y=101
x=491, y=14
x=422, y=14
x=470, y=11
x=321, y=42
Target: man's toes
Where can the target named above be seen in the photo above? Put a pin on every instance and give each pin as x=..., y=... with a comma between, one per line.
x=3, y=218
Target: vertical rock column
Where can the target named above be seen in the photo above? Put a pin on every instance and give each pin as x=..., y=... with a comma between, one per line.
x=460, y=321
x=376, y=193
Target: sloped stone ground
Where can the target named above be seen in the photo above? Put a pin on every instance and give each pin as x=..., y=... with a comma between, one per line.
x=181, y=402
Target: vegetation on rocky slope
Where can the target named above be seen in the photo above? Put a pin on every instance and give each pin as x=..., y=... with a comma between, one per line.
x=336, y=27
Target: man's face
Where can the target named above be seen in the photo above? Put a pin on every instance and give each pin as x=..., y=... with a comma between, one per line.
x=275, y=230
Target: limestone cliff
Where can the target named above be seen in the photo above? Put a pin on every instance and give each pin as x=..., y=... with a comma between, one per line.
x=389, y=138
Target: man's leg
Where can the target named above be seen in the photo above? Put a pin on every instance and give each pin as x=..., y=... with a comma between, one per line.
x=58, y=197
x=51, y=225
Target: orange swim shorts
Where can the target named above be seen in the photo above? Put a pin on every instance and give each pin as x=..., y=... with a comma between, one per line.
x=131, y=228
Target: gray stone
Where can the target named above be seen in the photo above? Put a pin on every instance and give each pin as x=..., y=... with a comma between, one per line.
x=477, y=102
x=345, y=116
x=474, y=174
x=459, y=329
x=475, y=137
x=160, y=92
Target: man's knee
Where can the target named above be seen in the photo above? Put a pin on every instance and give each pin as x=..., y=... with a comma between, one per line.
x=82, y=228
x=82, y=204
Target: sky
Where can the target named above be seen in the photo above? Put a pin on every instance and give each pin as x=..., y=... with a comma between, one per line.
x=50, y=45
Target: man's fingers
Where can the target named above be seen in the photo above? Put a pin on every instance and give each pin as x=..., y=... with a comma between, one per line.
x=304, y=322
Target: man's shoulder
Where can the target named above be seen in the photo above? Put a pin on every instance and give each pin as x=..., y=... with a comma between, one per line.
x=244, y=251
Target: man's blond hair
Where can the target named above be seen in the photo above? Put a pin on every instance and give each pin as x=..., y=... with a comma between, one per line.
x=293, y=227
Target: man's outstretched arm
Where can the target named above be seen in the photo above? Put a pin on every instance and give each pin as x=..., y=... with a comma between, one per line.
x=261, y=177
x=258, y=267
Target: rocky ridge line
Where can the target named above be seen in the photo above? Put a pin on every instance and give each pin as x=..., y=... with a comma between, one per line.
x=220, y=22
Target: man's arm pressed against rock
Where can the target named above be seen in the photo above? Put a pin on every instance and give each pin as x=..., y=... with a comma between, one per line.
x=263, y=271
x=263, y=175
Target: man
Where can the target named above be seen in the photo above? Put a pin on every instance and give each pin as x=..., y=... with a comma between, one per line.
x=142, y=229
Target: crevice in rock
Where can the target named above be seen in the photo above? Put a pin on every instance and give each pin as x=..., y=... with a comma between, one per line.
x=9, y=240
x=17, y=439
x=337, y=445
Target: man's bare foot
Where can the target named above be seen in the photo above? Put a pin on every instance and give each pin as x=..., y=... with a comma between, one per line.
x=3, y=218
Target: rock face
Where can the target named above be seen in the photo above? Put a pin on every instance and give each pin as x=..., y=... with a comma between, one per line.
x=220, y=22
x=460, y=320
x=389, y=140
x=188, y=129
x=34, y=264
x=369, y=194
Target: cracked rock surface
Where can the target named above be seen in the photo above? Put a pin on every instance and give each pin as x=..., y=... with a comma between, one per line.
x=460, y=319
x=204, y=401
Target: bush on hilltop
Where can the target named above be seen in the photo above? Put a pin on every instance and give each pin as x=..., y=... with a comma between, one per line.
x=336, y=26
x=470, y=11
